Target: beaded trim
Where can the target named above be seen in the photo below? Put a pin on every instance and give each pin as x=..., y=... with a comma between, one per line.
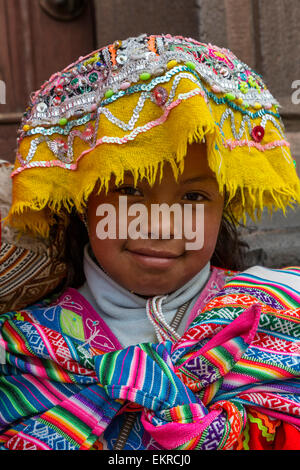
x=87, y=80
x=228, y=113
x=155, y=314
x=249, y=143
x=86, y=87
x=105, y=139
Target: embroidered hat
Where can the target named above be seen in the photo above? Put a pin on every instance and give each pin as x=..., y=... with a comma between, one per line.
x=137, y=103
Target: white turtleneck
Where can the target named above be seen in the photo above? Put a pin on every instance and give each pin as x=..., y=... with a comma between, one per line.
x=125, y=312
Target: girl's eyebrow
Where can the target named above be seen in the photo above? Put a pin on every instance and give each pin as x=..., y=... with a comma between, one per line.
x=198, y=178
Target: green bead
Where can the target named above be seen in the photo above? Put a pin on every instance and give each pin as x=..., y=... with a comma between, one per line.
x=145, y=76
x=190, y=65
x=244, y=87
x=230, y=96
x=62, y=121
x=109, y=93
x=251, y=81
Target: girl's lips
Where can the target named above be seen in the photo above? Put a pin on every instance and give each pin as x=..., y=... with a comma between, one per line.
x=155, y=259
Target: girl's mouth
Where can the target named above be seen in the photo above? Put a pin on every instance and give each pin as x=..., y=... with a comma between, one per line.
x=153, y=258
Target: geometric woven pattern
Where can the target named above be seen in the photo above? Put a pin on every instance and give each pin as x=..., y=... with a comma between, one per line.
x=238, y=358
x=28, y=272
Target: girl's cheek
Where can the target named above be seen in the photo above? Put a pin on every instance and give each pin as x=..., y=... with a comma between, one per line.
x=212, y=222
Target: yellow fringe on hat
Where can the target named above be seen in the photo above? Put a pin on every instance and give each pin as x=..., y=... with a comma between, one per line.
x=254, y=179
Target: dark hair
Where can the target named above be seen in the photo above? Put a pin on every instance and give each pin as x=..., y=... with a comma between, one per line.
x=229, y=252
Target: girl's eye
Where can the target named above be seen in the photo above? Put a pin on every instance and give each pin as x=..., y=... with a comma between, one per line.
x=129, y=191
x=194, y=196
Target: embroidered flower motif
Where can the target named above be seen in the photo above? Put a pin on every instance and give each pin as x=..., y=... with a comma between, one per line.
x=220, y=55
x=56, y=100
x=61, y=145
x=258, y=133
x=89, y=131
x=59, y=90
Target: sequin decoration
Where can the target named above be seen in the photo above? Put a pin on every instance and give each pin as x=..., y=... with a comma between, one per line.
x=132, y=58
x=81, y=92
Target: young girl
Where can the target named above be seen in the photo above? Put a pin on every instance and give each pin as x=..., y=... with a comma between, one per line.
x=153, y=342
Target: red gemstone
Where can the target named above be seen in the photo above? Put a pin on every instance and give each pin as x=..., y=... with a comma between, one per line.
x=62, y=144
x=59, y=89
x=160, y=95
x=56, y=100
x=258, y=133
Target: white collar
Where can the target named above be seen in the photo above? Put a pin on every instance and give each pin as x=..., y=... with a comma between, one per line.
x=124, y=311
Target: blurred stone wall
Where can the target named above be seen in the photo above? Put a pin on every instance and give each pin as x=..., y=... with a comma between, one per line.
x=33, y=46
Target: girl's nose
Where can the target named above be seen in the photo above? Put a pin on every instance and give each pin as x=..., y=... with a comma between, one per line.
x=164, y=221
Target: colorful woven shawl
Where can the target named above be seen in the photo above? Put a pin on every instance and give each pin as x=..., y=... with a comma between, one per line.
x=236, y=366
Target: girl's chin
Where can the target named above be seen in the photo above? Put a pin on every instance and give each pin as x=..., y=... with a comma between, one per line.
x=151, y=288
x=148, y=294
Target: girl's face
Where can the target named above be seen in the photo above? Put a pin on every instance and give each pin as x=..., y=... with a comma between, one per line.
x=157, y=266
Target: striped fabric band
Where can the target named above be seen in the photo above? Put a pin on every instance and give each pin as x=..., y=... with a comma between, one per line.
x=236, y=366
